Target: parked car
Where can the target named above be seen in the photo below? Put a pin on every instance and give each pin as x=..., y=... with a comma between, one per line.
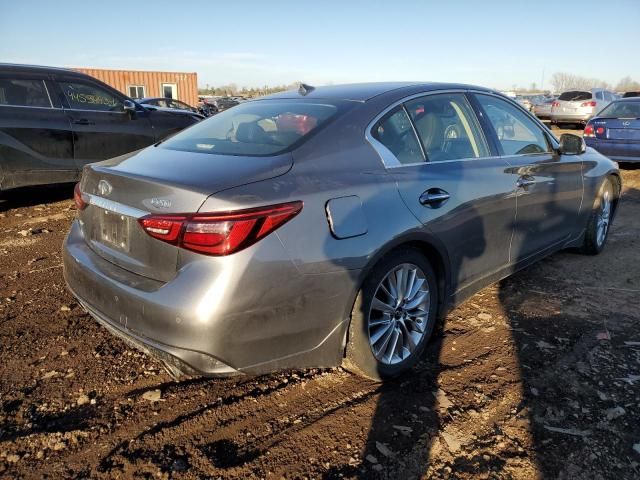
x=167, y=103
x=224, y=103
x=543, y=110
x=327, y=225
x=578, y=106
x=55, y=121
x=615, y=132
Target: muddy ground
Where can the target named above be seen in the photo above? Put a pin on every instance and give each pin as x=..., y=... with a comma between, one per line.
x=538, y=376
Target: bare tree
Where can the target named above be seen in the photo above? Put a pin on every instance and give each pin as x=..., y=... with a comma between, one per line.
x=627, y=84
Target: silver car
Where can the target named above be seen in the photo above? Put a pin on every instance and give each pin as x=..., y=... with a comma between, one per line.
x=327, y=226
x=578, y=106
x=542, y=110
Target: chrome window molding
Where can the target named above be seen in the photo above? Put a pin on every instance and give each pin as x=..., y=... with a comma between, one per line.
x=28, y=106
x=390, y=161
x=87, y=110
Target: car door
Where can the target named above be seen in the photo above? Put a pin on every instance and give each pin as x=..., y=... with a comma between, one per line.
x=447, y=176
x=35, y=135
x=547, y=186
x=102, y=129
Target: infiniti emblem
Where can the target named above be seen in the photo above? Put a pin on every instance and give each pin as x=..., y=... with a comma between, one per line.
x=104, y=188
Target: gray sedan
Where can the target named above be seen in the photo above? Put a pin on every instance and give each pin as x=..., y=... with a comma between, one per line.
x=327, y=226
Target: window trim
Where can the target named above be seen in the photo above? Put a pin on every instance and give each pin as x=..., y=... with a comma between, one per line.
x=390, y=161
x=144, y=90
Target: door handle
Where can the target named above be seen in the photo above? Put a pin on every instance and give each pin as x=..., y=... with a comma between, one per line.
x=525, y=181
x=84, y=121
x=434, y=198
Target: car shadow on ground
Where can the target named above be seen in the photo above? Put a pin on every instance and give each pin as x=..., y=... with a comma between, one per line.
x=548, y=430
x=31, y=196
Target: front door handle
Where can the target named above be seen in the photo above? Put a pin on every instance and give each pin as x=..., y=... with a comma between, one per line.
x=525, y=181
x=84, y=121
x=434, y=198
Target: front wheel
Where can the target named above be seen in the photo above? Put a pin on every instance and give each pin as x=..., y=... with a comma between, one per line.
x=599, y=220
x=393, y=316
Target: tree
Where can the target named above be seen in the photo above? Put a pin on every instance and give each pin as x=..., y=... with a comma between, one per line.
x=627, y=84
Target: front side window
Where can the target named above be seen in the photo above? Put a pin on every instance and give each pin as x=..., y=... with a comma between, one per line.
x=23, y=93
x=259, y=128
x=85, y=96
x=396, y=133
x=447, y=127
x=136, y=91
x=517, y=133
x=599, y=96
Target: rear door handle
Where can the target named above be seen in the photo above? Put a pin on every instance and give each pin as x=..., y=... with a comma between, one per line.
x=525, y=181
x=84, y=121
x=434, y=198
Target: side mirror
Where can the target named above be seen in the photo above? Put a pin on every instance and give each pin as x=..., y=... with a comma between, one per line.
x=129, y=107
x=572, y=144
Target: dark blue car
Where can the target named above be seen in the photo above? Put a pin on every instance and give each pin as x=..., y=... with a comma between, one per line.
x=615, y=131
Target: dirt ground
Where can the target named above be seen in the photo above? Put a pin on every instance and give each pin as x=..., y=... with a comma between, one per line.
x=535, y=377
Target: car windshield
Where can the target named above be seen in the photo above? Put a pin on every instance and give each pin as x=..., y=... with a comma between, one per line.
x=621, y=110
x=575, y=95
x=256, y=128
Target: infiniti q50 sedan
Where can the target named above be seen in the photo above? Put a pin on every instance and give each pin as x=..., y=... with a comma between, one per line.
x=327, y=226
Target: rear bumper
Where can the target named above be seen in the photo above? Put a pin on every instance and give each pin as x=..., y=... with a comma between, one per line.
x=570, y=117
x=617, y=151
x=251, y=312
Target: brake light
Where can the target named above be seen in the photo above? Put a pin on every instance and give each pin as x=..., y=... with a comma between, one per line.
x=79, y=198
x=600, y=130
x=555, y=104
x=592, y=103
x=222, y=233
x=588, y=131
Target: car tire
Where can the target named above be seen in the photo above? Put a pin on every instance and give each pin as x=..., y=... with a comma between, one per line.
x=403, y=324
x=599, y=221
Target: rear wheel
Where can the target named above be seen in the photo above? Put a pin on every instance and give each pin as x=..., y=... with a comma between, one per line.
x=393, y=316
x=599, y=220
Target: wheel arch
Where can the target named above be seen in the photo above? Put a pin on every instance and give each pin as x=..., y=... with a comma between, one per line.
x=428, y=245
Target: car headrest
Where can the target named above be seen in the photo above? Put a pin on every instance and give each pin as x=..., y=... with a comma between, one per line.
x=251, y=132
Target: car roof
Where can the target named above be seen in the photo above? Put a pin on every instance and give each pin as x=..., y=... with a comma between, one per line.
x=361, y=92
x=628, y=99
x=16, y=67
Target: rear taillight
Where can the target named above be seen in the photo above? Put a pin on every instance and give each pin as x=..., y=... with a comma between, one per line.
x=588, y=131
x=219, y=233
x=588, y=104
x=79, y=198
x=555, y=104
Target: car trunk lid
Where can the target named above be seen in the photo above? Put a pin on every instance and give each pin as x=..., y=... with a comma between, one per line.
x=158, y=181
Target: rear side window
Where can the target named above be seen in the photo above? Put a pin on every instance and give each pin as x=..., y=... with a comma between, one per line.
x=599, y=96
x=517, y=133
x=395, y=132
x=263, y=127
x=447, y=127
x=575, y=96
x=23, y=93
x=86, y=96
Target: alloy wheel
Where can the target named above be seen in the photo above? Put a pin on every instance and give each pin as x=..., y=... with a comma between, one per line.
x=604, y=217
x=399, y=314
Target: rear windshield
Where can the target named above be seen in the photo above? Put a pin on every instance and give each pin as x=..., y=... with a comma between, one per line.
x=631, y=94
x=257, y=128
x=621, y=110
x=576, y=95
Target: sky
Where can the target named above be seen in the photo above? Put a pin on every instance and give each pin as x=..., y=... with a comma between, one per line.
x=498, y=44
